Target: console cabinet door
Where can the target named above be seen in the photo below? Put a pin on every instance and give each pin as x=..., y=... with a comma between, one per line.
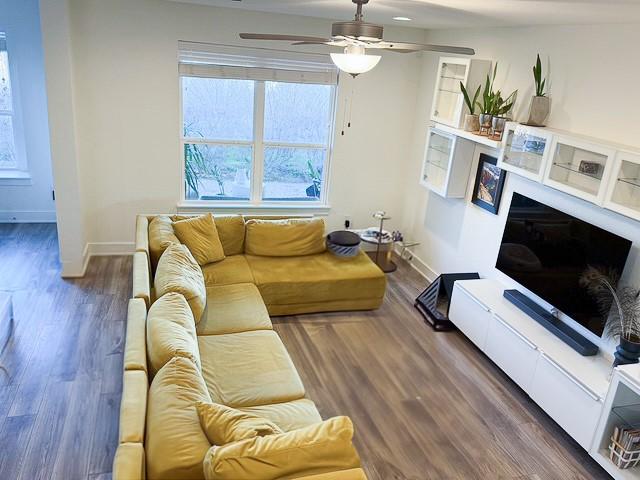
x=470, y=315
x=573, y=406
x=512, y=352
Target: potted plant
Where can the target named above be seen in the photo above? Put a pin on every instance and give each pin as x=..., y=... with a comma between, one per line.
x=471, y=120
x=316, y=177
x=540, y=103
x=486, y=107
x=621, y=306
x=501, y=106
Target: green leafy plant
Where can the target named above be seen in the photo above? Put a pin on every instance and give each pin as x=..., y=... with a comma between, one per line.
x=471, y=104
x=493, y=103
x=537, y=76
x=620, y=305
x=196, y=166
x=314, y=173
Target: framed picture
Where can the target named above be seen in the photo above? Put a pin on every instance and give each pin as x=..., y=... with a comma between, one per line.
x=487, y=190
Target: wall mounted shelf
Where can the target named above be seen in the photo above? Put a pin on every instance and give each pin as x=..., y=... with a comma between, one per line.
x=486, y=141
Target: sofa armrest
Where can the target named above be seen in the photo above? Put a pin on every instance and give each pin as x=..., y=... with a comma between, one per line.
x=135, y=349
x=128, y=464
x=141, y=277
x=351, y=474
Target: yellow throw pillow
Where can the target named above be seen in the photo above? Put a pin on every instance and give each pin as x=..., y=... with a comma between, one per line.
x=179, y=272
x=319, y=448
x=224, y=424
x=285, y=238
x=200, y=236
x=160, y=237
x=171, y=332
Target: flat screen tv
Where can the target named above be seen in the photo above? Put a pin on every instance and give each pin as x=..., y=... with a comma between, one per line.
x=546, y=251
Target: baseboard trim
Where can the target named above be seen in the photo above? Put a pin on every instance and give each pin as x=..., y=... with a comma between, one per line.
x=27, y=216
x=101, y=249
x=76, y=269
x=422, y=268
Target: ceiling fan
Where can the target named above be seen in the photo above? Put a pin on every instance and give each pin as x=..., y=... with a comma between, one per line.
x=356, y=37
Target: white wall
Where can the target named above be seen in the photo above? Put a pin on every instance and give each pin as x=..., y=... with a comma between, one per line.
x=593, y=82
x=125, y=73
x=31, y=202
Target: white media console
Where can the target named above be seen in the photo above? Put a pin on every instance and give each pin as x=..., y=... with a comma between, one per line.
x=569, y=387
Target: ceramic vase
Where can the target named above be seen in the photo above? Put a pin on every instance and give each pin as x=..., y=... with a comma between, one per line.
x=539, y=111
x=626, y=353
x=471, y=123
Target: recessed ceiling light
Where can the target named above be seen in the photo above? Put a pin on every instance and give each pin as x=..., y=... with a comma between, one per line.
x=402, y=19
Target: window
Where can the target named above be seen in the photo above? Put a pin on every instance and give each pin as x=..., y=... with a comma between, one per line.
x=8, y=154
x=256, y=135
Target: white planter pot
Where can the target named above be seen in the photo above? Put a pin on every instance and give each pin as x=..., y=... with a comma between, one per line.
x=471, y=123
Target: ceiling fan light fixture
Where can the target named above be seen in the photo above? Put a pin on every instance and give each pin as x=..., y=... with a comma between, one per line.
x=354, y=60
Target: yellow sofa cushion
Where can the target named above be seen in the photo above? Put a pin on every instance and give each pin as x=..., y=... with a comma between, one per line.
x=231, y=270
x=135, y=347
x=179, y=272
x=224, y=424
x=133, y=406
x=316, y=278
x=200, y=235
x=171, y=332
x=230, y=230
x=160, y=236
x=128, y=463
x=285, y=238
x=351, y=474
x=288, y=415
x=248, y=369
x=232, y=309
x=175, y=443
x=320, y=448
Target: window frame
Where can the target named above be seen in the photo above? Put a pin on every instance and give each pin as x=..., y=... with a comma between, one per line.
x=258, y=145
x=18, y=175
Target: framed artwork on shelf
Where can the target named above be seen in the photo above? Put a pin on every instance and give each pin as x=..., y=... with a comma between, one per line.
x=487, y=189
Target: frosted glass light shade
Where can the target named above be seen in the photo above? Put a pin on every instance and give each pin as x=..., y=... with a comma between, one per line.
x=354, y=60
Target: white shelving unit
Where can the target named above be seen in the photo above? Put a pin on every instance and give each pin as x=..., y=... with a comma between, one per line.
x=525, y=150
x=624, y=188
x=458, y=132
x=447, y=163
x=580, y=168
x=448, y=102
x=621, y=407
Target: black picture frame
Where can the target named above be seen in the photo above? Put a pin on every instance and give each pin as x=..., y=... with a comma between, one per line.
x=487, y=189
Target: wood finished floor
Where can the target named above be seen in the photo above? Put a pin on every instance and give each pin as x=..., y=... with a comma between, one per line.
x=425, y=405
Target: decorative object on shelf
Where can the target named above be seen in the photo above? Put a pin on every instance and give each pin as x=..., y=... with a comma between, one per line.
x=622, y=306
x=434, y=302
x=624, y=449
x=471, y=120
x=493, y=104
x=497, y=128
x=343, y=243
x=590, y=168
x=540, y=103
x=487, y=190
x=356, y=37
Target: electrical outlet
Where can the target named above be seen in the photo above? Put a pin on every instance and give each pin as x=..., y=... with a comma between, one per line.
x=347, y=222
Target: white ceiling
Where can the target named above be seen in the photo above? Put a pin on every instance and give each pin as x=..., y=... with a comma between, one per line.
x=454, y=13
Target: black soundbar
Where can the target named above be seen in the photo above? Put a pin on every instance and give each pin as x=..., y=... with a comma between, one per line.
x=560, y=329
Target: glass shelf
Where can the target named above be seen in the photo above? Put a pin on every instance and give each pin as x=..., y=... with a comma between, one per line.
x=436, y=164
x=629, y=415
x=440, y=150
x=635, y=182
x=572, y=168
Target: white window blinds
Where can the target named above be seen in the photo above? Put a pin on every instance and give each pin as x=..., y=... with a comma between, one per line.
x=223, y=61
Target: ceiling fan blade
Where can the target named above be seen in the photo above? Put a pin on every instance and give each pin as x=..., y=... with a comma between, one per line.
x=289, y=38
x=330, y=43
x=402, y=47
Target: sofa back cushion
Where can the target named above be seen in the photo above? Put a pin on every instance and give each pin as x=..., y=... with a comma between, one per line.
x=285, y=238
x=175, y=443
x=171, y=332
x=230, y=230
x=319, y=448
x=178, y=271
x=160, y=237
x=200, y=235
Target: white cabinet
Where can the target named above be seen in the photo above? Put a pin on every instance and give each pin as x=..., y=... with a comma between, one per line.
x=511, y=351
x=580, y=168
x=565, y=399
x=447, y=163
x=569, y=387
x=525, y=150
x=624, y=188
x=448, y=102
x=470, y=315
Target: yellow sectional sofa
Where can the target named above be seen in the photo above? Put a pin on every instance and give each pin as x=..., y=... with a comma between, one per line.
x=226, y=354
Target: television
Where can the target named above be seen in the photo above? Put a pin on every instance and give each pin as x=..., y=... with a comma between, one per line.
x=547, y=251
